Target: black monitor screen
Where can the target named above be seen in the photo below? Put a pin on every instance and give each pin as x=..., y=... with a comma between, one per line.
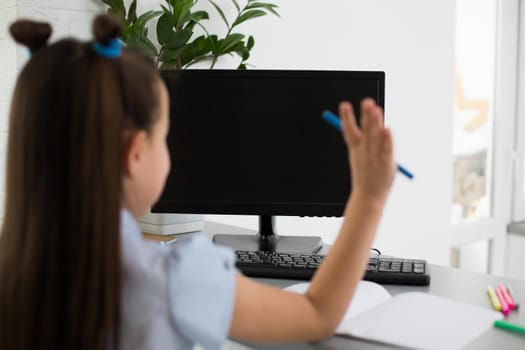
x=253, y=141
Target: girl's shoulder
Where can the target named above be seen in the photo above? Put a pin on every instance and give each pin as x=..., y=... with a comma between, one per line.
x=191, y=251
x=190, y=284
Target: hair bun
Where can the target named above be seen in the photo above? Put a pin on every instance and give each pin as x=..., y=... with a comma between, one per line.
x=106, y=28
x=32, y=34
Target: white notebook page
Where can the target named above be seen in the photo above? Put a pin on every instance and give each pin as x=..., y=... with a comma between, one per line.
x=411, y=320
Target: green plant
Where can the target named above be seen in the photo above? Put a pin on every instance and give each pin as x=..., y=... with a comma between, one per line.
x=182, y=36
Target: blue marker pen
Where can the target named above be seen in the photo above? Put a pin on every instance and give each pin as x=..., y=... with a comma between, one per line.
x=333, y=120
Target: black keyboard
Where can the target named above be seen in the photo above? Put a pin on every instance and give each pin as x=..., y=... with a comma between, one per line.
x=384, y=270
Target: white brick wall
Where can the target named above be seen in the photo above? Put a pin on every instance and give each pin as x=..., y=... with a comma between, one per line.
x=8, y=50
x=76, y=5
x=7, y=79
x=7, y=83
x=8, y=67
x=2, y=198
x=3, y=143
x=4, y=111
x=7, y=3
x=7, y=15
x=3, y=139
x=59, y=19
x=67, y=17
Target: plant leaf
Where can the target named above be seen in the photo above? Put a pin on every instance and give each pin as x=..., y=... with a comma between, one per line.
x=171, y=54
x=164, y=28
x=251, y=43
x=236, y=4
x=146, y=17
x=242, y=66
x=248, y=15
x=214, y=44
x=199, y=16
x=199, y=47
x=241, y=50
x=143, y=43
x=180, y=10
x=198, y=60
x=178, y=39
x=219, y=10
x=195, y=18
x=264, y=5
x=117, y=7
x=119, y=17
x=132, y=13
x=186, y=18
x=169, y=65
x=108, y=2
x=228, y=44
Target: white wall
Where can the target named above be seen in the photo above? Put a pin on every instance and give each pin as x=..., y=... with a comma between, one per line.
x=514, y=258
x=411, y=40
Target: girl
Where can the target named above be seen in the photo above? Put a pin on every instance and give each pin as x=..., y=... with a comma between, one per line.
x=87, y=137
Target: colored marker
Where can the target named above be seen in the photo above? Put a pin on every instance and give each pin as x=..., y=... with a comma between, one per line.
x=504, y=306
x=496, y=305
x=513, y=296
x=507, y=297
x=509, y=326
x=333, y=120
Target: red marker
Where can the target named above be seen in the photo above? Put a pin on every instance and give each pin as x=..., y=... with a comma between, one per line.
x=513, y=296
x=504, y=306
x=508, y=298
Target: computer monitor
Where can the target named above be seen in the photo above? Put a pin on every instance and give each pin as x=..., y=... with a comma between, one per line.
x=253, y=142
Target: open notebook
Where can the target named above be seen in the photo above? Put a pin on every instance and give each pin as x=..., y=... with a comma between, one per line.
x=411, y=320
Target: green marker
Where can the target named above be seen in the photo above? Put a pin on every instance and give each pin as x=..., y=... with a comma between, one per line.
x=509, y=326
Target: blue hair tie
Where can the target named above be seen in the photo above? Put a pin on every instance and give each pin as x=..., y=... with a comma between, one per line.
x=112, y=50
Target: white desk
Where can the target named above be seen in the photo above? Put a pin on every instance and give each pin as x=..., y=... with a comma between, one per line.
x=455, y=284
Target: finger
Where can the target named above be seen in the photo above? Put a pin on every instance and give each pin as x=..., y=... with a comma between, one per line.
x=387, y=155
x=377, y=118
x=374, y=131
x=366, y=108
x=380, y=112
x=369, y=117
x=351, y=131
x=387, y=144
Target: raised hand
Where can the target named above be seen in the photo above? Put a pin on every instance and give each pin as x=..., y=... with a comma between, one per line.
x=371, y=151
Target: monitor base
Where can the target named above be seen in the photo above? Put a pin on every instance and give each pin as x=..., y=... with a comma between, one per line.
x=274, y=243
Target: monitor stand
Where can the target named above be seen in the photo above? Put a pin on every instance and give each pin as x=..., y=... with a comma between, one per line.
x=268, y=240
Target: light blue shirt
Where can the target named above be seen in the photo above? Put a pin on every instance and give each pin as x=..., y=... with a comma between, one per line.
x=174, y=296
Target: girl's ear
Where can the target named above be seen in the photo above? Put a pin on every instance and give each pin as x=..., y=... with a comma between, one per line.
x=134, y=152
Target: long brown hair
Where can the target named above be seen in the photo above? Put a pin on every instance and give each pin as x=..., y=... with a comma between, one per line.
x=60, y=267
